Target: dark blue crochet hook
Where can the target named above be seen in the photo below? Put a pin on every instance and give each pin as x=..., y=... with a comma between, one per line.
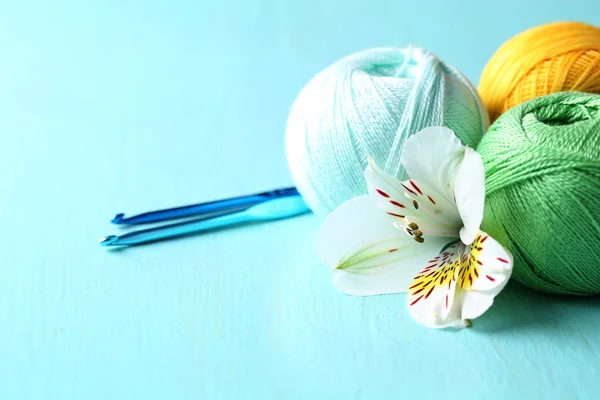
x=277, y=204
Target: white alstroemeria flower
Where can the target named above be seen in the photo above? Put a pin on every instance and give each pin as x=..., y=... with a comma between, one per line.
x=420, y=236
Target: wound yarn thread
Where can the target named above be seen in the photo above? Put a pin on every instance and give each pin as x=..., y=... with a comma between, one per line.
x=367, y=105
x=542, y=165
x=555, y=57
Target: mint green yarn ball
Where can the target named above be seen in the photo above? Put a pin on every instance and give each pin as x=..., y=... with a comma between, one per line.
x=367, y=105
x=542, y=165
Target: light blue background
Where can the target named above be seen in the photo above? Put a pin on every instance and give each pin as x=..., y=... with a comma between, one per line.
x=109, y=106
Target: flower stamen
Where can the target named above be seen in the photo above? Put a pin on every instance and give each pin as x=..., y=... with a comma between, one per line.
x=413, y=230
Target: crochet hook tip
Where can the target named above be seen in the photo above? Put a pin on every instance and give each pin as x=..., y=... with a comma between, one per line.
x=118, y=219
x=108, y=240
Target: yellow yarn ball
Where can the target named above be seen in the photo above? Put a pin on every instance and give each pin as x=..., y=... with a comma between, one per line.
x=555, y=57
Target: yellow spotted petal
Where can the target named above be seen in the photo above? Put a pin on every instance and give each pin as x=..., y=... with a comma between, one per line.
x=485, y=272
x=460, y=283
x=431, y=295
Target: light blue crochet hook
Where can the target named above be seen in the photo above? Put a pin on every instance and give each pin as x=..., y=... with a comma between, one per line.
x=279, y=208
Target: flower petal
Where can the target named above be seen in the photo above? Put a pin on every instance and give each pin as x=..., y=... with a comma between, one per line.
x=387, y=192
x=431, y=296
x=432, y=217
x=432, y=157
x=385, y=281
x=469, y=191
x=460, y=283
x=354, y=225
x=412, y=202
x=369, y=255
x=485, y=272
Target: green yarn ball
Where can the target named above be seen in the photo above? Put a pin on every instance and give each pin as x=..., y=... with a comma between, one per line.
x=542, y=166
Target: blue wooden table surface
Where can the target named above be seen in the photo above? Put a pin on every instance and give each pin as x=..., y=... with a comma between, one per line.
x=128, y=106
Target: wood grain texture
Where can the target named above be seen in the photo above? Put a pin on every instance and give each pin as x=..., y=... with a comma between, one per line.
x=110, y=106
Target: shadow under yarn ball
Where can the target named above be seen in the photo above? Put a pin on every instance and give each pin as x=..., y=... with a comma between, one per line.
x=542, y=165
x=367, y=105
